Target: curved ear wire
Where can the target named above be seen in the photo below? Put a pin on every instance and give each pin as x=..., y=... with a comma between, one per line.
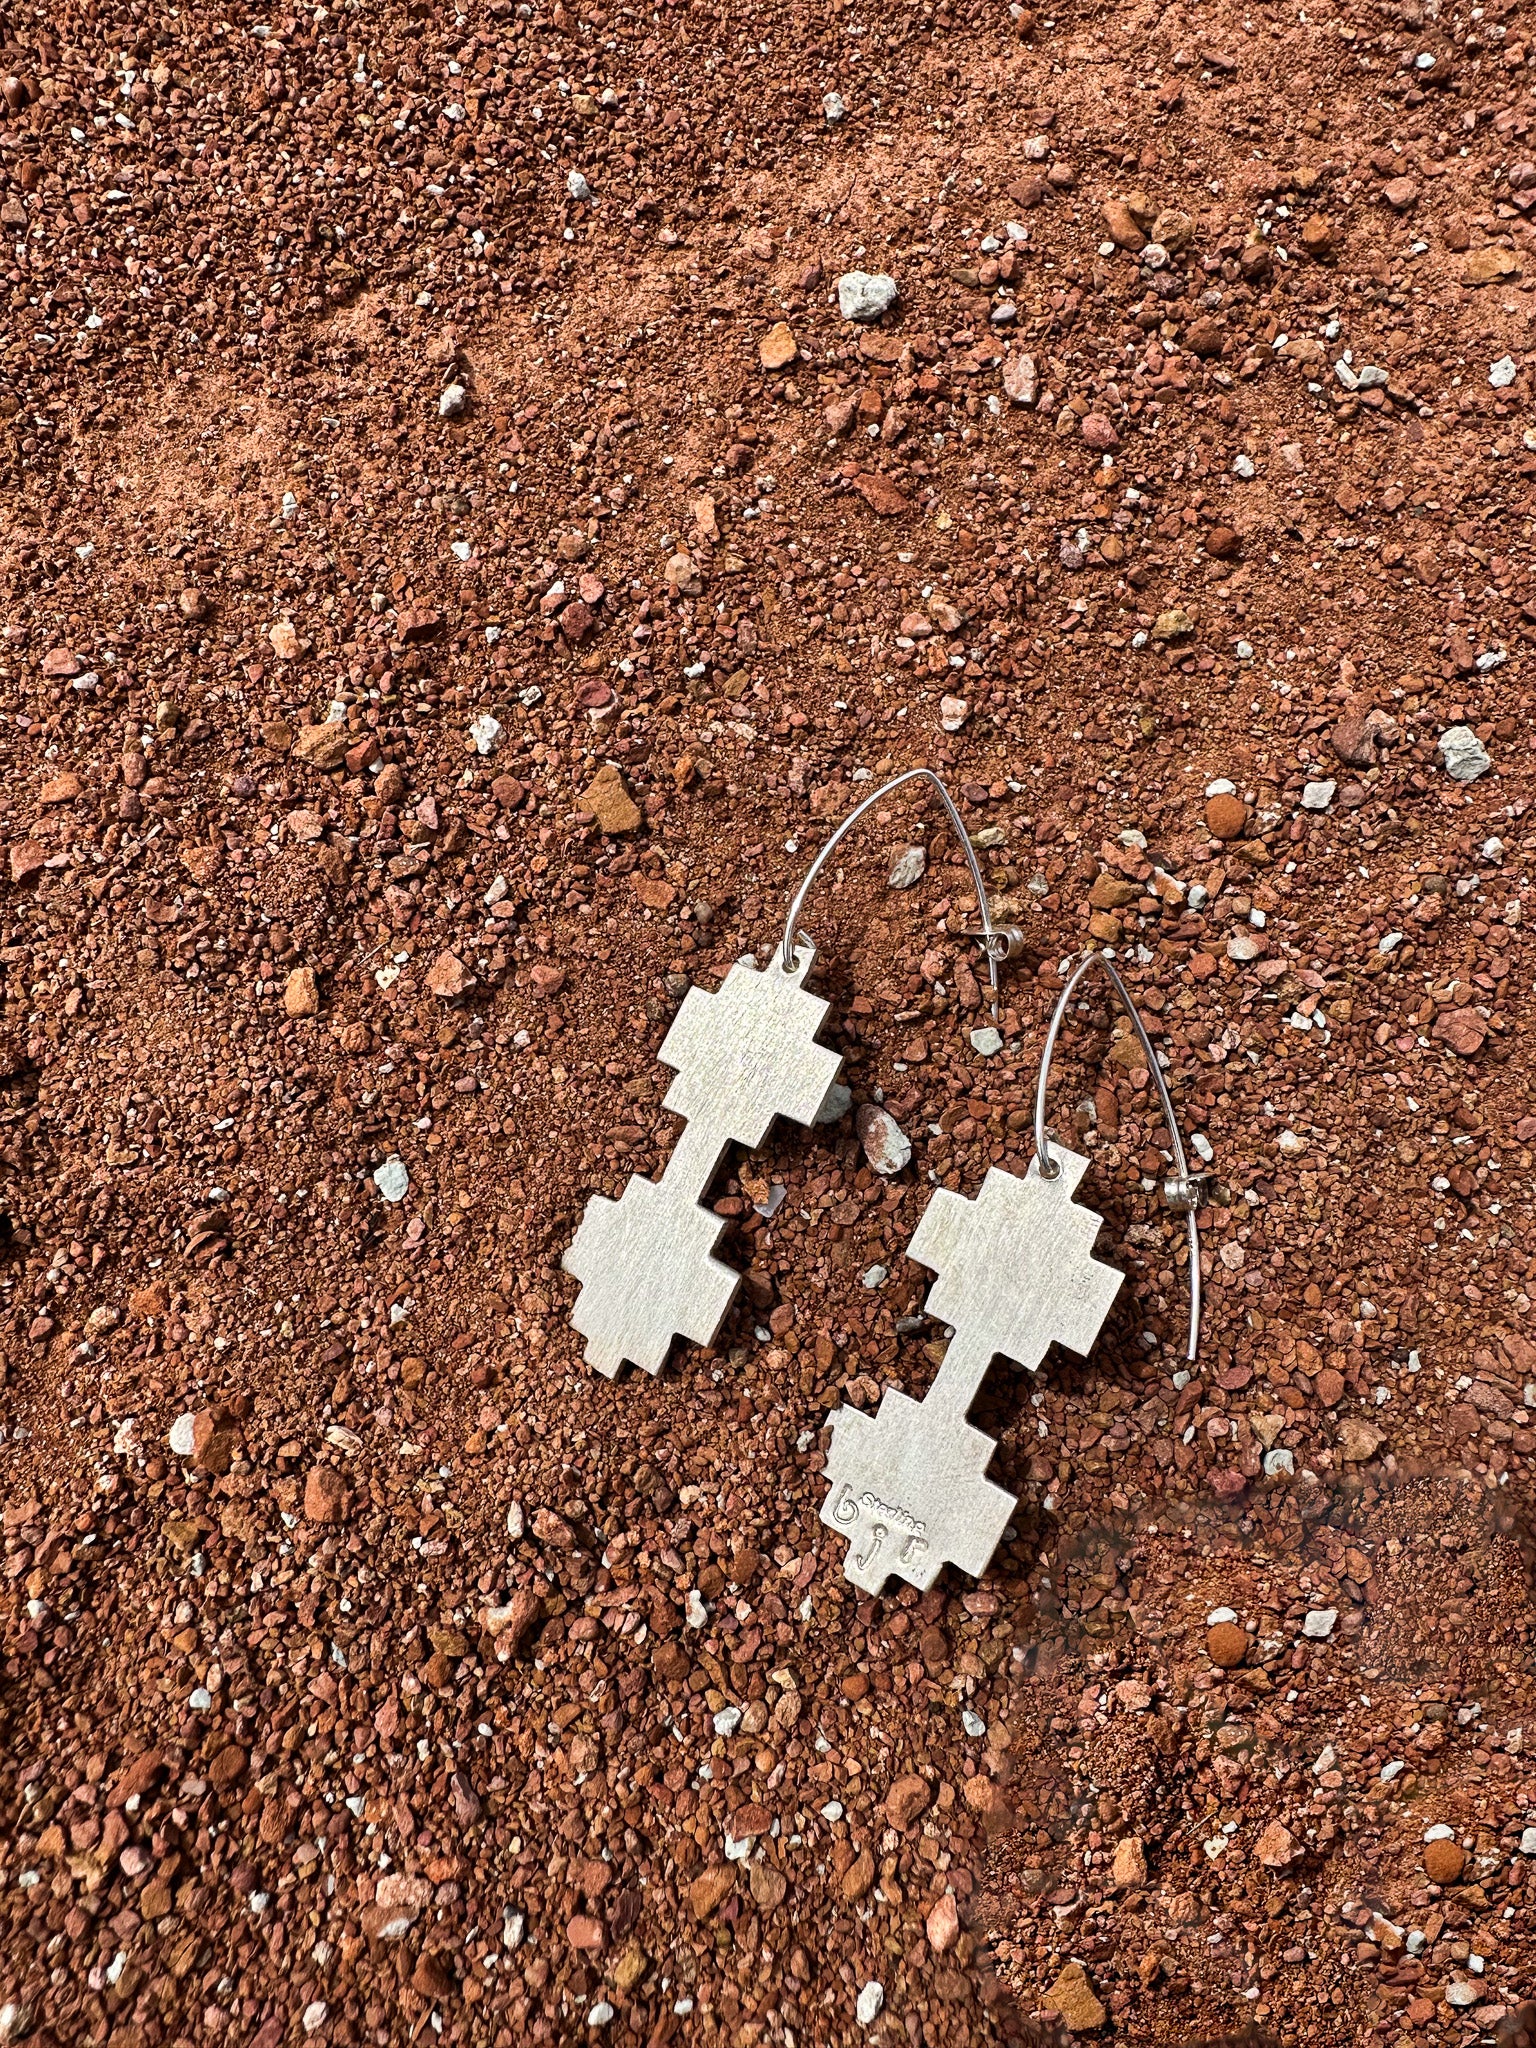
x=997, y=945
x=1182, y=1191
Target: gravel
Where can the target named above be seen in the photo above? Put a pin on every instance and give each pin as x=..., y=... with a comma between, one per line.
x=378, y=778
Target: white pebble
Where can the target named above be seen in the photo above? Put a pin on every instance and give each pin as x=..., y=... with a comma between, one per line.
x=392, y=1179
x=1319, y=1623
x=875, y=1277
x=987, y=1041
x=908, y=868
x=180, y=1437
x=1504, y=372
x=1465, y=755
x=515, y=1523
x=863, y=295
x=972, y=1722
x=1317, y=796
x=600, y=2014
x=1528, y=1842
x=577, y=185
x=485, y=733
x=870, y=2000
x=451, y=400
x=728, y=1720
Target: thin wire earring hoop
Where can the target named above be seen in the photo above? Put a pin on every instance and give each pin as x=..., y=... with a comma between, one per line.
x=997, y=944
x=1181, y=1191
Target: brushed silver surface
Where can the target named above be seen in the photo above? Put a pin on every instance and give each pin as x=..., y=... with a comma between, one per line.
x=646, y=1263
x=907, y=1486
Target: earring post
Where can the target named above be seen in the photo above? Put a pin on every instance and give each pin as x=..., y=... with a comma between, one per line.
x=1182, y=1190
x=995, y=944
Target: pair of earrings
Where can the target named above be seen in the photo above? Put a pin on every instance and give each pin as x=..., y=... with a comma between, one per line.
x=907, y=1486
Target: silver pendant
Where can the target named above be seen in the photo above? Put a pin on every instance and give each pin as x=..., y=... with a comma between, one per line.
x=908, y=1485
x=646, y=1263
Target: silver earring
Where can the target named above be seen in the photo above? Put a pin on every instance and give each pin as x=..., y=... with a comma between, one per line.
x=646, y=1263
x=907, y=1486
x=743, y=1056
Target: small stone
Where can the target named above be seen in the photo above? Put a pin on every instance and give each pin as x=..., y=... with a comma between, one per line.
x=1276, y=1847
x=547, y=980
x=1174, y=230
x=858, y=1878
x=1223, y=544
x=884, y=498
x=1245, y=947
x=510, y=1626
x=867, y=2006
x=61, y=661
x=553, y=1529
x=908, y=868
x=322, y=746
x=836, y=1104
x=1227, y=1645
x=1466, y=758
x=1400, y=194
x=865, y=295
x=1444, y=1862
x=987, y=1040
x=1073, y=1997
x=449, y=977
x=610, y=802
x=1172, y=625
x=778, y=347
x=214, y=1441
x=1463, y=1030
x=485, y=733
x=285, y=640
x=451, y=401
x=1318, y=1626
x=1129, y=1869
x=1226, y=817
x=393, y=1178
x=584, y=1934
x=301, y=993
x=1113, y=892
x=1490, y=265
x=1503, y=373
x=1359, y=1440
x=1098, y=432
x=1460, y=1995
x=577, y=186
x=1317, y=796
x=833, y=108
x=1205, y=337
x=1120, y=223
x=768, y=1885
x=182, y=1434
x=886, y=1145
x=1021, y=379
x=27, y=859
x=1317, y=238
x=953, y=712
x=630, y=1969
x=60, y=789
x=710, y=1890
x=325, y=1495
x=907, y=1798
x=1528, y=1842
x=943, y=1924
